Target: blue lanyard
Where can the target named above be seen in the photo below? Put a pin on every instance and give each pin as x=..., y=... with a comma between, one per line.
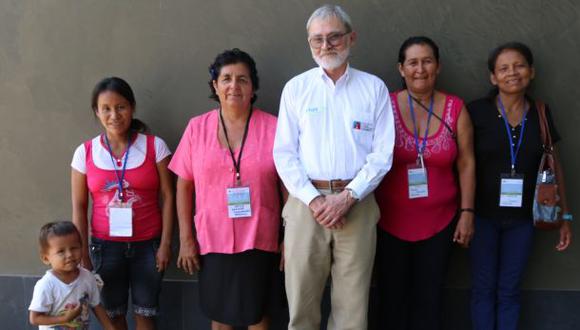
x=121, y=178
x=420, y=149
x=513, y=153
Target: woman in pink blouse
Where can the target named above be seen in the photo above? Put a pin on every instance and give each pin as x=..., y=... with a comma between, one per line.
x=224, y=162
x=431, y=184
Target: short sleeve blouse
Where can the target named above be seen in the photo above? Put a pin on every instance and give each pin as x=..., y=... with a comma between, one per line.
x=492, y=157
x=200, y=158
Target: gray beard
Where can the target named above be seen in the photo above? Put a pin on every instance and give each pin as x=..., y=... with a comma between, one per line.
x=332, y=62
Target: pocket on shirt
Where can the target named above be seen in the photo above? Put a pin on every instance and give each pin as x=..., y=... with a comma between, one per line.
x=363, y=128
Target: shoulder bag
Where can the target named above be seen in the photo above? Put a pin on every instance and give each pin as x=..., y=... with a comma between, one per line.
x=546, y=208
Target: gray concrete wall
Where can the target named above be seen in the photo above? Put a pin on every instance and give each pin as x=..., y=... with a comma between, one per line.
x=53, y=52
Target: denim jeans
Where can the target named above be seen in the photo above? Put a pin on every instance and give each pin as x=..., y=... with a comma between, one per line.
x=499, y=254
x=127, y=267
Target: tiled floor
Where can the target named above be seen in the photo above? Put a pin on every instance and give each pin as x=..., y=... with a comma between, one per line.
x=541, y=310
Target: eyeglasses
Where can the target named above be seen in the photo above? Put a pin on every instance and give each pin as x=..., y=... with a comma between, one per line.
x=333, y=39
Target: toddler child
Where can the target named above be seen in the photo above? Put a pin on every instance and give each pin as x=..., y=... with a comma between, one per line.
x=62, y=297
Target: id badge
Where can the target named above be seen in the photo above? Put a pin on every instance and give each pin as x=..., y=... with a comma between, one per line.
x=511, y=190
x=120, y=220
x=239, y=202
x=417, y=179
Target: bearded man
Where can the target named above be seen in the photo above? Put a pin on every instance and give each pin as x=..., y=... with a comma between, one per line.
x=333, y=145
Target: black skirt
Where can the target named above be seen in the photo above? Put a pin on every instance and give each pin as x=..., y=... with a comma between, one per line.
x=234, y=289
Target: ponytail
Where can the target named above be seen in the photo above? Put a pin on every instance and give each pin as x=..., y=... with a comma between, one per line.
x=138, y=126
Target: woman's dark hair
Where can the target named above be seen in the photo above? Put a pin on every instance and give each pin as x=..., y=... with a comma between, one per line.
x=512, y=45
x=519, y=47
x=233, y=56
x=121, y=87
x=417, y=40
x=56, y=229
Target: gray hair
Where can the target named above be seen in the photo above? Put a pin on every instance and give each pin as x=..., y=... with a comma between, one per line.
x=328, y=11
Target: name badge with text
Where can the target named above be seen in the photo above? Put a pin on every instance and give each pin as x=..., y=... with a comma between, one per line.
x=511, y=190
x=239, y=202
x=417, y=178
x=120, y=220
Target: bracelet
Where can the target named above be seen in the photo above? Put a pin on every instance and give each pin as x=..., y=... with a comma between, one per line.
x=467, y=210
x=567, y=217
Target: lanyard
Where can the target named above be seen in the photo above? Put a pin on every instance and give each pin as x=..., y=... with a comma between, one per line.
x=420, y=149
x=121, y=178
x=513, y=153
x=237, y=164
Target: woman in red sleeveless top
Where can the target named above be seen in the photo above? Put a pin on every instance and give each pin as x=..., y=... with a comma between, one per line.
x=125, y=172
x=431, y=184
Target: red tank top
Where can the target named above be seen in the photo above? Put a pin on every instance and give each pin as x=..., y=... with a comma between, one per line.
x=141, y=188
x=421, y=218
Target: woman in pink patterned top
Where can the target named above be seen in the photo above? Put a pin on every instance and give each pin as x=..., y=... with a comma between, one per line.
x=431, y=184
x=225, y=164
x=124, y=173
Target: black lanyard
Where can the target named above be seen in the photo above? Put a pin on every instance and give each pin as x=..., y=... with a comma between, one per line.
x=453, y=135
x=237, y=164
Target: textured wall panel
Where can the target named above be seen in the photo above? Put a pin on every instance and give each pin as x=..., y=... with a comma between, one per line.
x=53, y=52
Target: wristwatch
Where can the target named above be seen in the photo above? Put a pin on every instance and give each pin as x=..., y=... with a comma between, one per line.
x=567, y=217
x=352, y=194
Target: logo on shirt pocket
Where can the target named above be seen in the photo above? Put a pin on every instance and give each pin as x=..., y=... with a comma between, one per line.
x=362, y=126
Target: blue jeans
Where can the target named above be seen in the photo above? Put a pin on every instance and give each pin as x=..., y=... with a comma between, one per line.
x=499, y=254
x=124, y=267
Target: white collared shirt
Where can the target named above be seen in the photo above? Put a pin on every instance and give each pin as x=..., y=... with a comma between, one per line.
x=330, y=131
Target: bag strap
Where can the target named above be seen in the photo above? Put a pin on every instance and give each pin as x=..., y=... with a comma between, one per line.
x=422, y=106
x=548, y=159
x=544, y=127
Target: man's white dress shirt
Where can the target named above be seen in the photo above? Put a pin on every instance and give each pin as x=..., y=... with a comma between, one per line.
x=330, y=131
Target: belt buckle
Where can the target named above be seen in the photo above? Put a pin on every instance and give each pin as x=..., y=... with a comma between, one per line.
x=331, y=184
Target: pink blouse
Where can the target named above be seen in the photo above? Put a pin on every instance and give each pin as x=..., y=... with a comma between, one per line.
x=421, y=218
x=200, y=158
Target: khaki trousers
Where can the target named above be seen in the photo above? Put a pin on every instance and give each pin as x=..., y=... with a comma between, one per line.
x=312, y=252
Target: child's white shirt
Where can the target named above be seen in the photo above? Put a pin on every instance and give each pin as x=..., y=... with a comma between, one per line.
x=53, y=297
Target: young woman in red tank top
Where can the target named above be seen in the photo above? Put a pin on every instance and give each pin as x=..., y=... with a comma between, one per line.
x=125, y=173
